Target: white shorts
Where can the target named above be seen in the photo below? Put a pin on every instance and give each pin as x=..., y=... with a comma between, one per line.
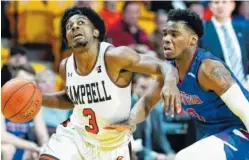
x=67, y=144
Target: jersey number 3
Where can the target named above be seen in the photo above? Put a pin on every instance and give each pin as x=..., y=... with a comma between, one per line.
x=93, y=127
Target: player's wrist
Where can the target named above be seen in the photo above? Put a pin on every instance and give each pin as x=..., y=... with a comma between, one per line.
x=170, y=73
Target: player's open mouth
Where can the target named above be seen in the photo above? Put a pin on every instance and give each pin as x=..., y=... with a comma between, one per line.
x=167, y=48
x=77, y=35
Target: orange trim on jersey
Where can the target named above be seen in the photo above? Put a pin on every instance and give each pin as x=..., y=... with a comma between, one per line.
x=47, y=157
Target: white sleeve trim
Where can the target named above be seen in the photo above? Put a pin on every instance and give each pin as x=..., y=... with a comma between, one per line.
x=237, y=103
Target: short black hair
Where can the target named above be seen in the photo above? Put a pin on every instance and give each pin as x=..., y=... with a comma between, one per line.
x=18, y=50
x=95, y=19
x=192, y=19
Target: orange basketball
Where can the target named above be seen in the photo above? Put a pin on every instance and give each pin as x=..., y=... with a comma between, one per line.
x=21, y=100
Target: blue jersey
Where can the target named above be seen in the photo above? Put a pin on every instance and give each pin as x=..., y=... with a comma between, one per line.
x=212, y=114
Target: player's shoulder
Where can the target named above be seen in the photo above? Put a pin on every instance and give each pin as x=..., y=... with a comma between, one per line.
x=212, y=70
x=209, y=65
x=117, y=51
x=120, y=54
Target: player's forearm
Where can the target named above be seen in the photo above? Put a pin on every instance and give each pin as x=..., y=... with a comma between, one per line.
x=57, y=100
x=140, y=111
x=146, y=103
x=168, y=72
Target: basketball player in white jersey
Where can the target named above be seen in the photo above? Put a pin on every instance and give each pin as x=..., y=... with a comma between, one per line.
x=98, y=89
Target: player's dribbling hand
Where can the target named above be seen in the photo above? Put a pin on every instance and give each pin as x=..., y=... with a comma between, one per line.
x=171, y=97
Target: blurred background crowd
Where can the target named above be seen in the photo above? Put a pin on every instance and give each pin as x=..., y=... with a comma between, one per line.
x=32, y=48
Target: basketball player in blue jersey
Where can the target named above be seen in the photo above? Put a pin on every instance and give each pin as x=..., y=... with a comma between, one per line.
x=98, y=88
x=210, y=93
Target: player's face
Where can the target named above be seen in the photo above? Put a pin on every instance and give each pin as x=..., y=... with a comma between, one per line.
x=79, y=31
x=176, y=39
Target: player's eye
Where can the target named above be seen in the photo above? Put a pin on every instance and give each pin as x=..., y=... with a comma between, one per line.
x=69, y=26
x=174, y=35
x=80, y=22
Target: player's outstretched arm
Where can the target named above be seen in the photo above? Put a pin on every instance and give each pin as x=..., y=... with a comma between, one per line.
x=58, y=100
x=142, y=108
x=127, y=59
x=146, y=103
x=214, y=76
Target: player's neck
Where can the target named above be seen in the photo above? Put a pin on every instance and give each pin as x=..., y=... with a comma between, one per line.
x=85, y=59
x=185, y=61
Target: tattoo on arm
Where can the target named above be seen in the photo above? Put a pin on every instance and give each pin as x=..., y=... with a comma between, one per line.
x=219, y=73
x=217, y=76
x=222, y=75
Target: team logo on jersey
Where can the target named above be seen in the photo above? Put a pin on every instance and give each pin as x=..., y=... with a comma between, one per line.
x=98, y=69
x=69, y=74
x=187, y=99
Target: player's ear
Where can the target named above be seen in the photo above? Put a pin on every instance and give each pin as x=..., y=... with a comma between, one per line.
x=193, y=40
x=95, y=33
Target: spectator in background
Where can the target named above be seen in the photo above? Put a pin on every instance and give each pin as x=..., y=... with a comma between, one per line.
x=109, y=14
x=243, y=12
x=151, y=127
x=10, y=142
x=20, y=137
x=197, y=7
x=127, y=33
x=227, y=39
x=5, y=26
x=52, y=117
x=17, y=58
x=83, y=3
x=157, y=35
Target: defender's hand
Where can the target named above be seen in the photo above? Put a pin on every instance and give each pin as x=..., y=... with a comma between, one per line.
x=171, y=97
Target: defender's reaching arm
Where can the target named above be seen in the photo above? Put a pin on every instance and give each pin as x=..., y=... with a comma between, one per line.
x=214, y=76
x=127, y=59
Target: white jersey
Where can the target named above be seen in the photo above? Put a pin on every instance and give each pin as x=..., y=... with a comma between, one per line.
x=98, y=102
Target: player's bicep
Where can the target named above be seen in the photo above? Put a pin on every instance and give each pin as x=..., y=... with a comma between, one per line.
x=213, y=75
x=130, y=60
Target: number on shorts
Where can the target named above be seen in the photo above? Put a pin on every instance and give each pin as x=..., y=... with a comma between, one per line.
x=93, y=127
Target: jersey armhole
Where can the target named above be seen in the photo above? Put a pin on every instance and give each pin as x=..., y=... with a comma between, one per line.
x=122, y=70
x=197, y=78
x=65, y=67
